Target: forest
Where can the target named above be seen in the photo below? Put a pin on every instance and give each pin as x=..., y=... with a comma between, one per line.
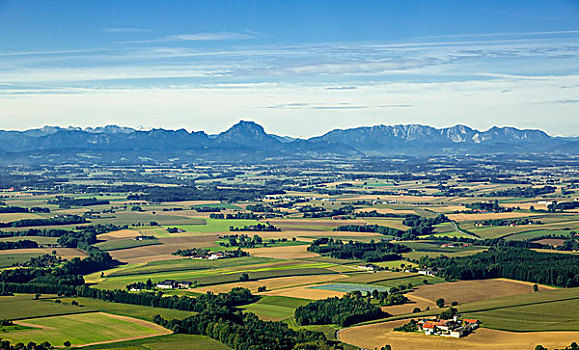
x=369, y=252
x=508, y=262
x=342, y=311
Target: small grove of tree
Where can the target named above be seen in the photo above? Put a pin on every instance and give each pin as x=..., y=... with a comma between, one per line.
x=440, y=302
x=342, y=311
x=411, y=326
x=370, y=252
x=6, y=345
x=258, y=227
x=572, y=346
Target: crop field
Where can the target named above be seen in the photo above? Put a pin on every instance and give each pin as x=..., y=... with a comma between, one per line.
x=413, y=280
x=275, y=308
x=120, y=244
x=165, y=342
x=142, y=312
x=350, y=287
x=216, y=225
x=550, y=316
x=377, y=335
x=304, y=292
x=222, y=275
x=38, y=239
x=288, y=252
x=65, y=253
x=469, y=291
x=94, y=327
x=23, y=306
x=270, y=283
x=8, y=260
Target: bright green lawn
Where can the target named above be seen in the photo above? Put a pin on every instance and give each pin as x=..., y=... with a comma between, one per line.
x=275, y=307
x=217, y=225
x=24, y=306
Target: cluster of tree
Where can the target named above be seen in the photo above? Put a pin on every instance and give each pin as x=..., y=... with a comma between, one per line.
x=236, y=216
x=23, y=244
x=46, y=260
x=344, y=311
x=376, y=214
x=562, y=206
x=488, y=242
x=141, y=285
x=191, y=252
x=420, y=225
x=4, y=210
x=245, y=331
x=207, y=209
x=346, y=210
x=504, y=222
x=409, y=327
x=507, y=262
x=259, y=208
x=384, y=230
x=572, y=346
x=32, y=232
x=190, y=193
x=370, y=252
x=527, y=192
x=258, y=227
x=67, y=202
x=488, y=206
x=6, y=345
x=571, y=244
x=384, y=298
x=57, y=220
x=310, y=209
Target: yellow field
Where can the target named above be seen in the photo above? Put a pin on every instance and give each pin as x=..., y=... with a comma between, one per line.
x=377, y=335
x=486, y=216
x=407, y=308
x=272, y=284
x=9, y=217
x=289, y=252
x=304, y=292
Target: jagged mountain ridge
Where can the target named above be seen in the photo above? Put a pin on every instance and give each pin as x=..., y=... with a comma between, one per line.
x=246, y=140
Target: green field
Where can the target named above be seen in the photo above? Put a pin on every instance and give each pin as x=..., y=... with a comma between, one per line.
x=143, y=312
x=275, y=307
x=217, y=225
x=119, y=244
x=23, y=306
x=165, y=342
x=7, y=260
x=79, y=329
x=188, y=265
x=38, y=239
x=221, y=275
x=414, y=280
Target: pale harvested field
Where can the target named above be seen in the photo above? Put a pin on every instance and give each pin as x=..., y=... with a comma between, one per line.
x=289, y=252
x=122, y=234
x=272, y=284
x=447, y=209
x=380, y=334
x=65, y=253
x=188, y=203
x=486, y=216
x=468, y=291
x=551, y=241
x=304, y=292
x=387, y=211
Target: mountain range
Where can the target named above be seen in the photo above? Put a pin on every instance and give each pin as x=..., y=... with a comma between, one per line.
x=248, y=140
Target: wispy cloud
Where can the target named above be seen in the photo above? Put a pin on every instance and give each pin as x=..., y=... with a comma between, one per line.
x=207, y=36
x=45, y=53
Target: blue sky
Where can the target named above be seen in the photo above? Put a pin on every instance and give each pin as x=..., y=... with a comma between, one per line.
x=298, y=67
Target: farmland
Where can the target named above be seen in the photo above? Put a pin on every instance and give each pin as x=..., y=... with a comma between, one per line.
x=279, y=265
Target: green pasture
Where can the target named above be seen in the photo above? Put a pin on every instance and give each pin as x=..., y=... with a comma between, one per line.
x=216, y=225
x=165, y=342
x=38, y=239
x=23, y=306
x=8, y=260
x=79, y=329
x=275, y=307
x=119, y=244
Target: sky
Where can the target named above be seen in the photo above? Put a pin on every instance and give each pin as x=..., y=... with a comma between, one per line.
x=299, y=68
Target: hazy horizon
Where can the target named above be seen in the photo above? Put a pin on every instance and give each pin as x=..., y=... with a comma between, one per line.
x=299, y=68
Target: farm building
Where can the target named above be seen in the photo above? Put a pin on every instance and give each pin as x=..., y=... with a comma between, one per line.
x=454, y=328
x=171, y=284
x=367, y=267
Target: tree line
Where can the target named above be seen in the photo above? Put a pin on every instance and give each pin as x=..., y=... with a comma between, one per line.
x=509, y=262
x=344, y=311
x=370, y=252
